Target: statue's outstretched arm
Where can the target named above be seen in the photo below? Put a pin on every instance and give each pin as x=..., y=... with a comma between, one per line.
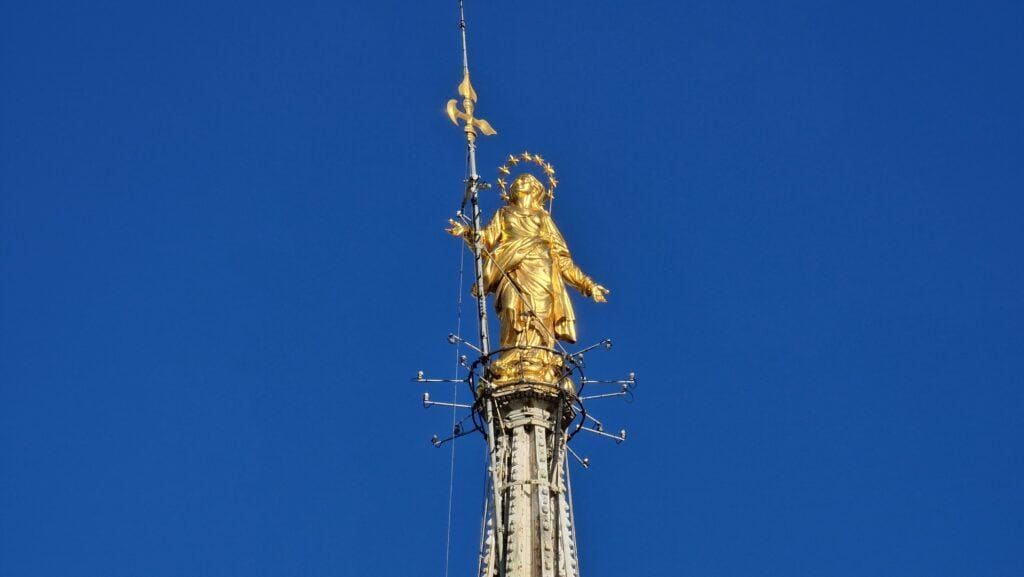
x=571, y=272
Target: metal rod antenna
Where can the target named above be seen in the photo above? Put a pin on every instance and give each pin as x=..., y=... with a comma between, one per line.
x=457, y=340
x=630, y=382
x=617, y=438
x=621, y=393
x=582, y=460
x=422, y=379
x=473, y=186
x=462, y=31
x=598, y=424
x=496, y=499
x=473, y=182
x=427, y=403
x=438, y=442
x=606, y=343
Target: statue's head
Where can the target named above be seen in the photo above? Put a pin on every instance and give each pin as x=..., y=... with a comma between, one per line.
x=527, y=191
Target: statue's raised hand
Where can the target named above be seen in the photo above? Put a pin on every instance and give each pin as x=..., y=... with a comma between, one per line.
x=598, y=293
x=457, y=228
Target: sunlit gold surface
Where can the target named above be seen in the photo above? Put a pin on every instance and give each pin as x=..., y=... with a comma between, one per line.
x=527, y=267
x=466, y=114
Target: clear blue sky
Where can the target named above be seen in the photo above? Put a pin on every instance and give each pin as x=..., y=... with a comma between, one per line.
x=222, y=259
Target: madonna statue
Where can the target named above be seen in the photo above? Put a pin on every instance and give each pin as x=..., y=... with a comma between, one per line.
x=527, y=267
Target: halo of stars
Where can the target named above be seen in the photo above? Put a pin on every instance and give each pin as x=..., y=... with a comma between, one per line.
x=505, y=171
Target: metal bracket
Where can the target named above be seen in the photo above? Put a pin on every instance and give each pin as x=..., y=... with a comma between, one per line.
x=617, y=438
x=427, y=403
x=421, y=379
x=585, y=461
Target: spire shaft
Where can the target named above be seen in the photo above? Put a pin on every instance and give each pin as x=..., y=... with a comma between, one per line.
x=471, y=158
x=472, y=195
x=462, y=31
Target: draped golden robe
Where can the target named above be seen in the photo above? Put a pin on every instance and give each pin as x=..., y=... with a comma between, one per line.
x=527, y=266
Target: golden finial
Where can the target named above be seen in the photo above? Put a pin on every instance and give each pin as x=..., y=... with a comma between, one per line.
x=466, y=114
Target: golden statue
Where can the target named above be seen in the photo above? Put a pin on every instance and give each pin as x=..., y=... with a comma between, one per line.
x=526, y=266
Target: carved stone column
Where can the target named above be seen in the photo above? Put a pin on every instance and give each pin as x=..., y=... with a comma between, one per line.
x=537, y=538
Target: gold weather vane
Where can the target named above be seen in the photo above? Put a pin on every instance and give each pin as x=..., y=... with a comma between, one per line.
x=468, y=104
x=468, y=101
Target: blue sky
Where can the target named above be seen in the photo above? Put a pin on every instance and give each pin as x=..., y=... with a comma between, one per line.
x=222, y=258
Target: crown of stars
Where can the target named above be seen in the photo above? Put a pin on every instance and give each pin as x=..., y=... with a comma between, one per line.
x=505, y=171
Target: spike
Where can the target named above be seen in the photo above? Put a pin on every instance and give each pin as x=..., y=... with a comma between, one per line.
x=466, y=88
